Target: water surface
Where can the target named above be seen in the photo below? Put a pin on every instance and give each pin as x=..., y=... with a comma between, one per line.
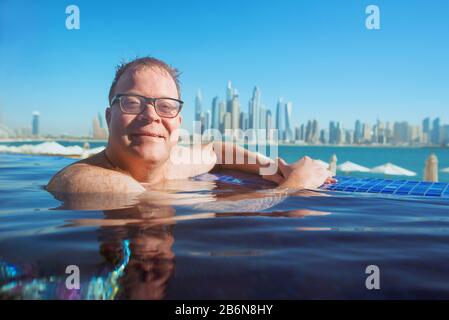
x=215, y=239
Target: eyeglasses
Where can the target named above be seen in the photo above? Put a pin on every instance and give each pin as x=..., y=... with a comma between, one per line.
x=135, y=104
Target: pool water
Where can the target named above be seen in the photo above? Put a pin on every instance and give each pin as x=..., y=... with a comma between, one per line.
x=218, y=236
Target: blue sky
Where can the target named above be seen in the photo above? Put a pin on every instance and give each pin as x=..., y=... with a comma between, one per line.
x=317, y=54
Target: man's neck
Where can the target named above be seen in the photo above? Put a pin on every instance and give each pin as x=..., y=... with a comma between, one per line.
x=141, y=171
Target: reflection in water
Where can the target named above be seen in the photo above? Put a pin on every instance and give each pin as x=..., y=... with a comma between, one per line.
x=136, y=237
x=151, y=260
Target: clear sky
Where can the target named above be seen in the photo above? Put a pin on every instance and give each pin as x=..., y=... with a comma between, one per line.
x=317, y=54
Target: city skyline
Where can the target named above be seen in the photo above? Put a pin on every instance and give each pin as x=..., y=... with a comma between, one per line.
x=228, y=114
x=397, y=72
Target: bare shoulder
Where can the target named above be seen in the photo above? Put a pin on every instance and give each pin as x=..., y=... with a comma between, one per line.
x=85, y=177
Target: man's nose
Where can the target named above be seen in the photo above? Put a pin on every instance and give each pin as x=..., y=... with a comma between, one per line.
x=150, y=114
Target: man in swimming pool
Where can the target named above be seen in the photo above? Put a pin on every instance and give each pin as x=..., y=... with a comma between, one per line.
x=143, y=121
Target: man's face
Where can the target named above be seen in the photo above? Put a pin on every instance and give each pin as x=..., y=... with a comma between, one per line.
x=128, y=133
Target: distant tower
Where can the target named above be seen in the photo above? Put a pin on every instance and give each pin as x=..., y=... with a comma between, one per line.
x=35, y=123
x=198, y=105
x=436, y=131
x=358, y=132
x=235, y=111
x=229, y=97
x=100, y=120
x=288, y=119
x=280, y=118
x=215, y=113
x=254, y=110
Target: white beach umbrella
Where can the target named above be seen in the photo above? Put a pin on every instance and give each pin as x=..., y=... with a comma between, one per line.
x=391, y=169
x=349, y=166
x=446, y=170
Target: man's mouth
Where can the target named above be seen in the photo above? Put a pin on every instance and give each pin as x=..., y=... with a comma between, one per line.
x=146, y=134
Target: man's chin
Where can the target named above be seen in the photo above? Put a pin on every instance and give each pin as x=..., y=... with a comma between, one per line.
x=152, y=154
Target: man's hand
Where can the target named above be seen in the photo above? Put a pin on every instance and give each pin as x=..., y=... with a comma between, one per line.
x=303, y=174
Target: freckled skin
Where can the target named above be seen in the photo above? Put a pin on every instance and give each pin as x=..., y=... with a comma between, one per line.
x=93, y=175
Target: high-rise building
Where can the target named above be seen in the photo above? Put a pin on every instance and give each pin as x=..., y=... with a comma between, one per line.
x=340, y=133
x=280, y=118
x=243, y=120
x=401, y=132
x=262, y=118
x=436, y=138
x=207, y=120
x=302, y=132
x=35, y=124
x=254, y=109
x=222, y=111
x=308, y=133
x=426, y=126
x=358, y=134
x=349, y=137
x=215, y=122
x=445, y=135
x=229, y=97
x=332, y=133
x=100, y=119
x=297, y=133
x=367, y=133
x=227, y=122
x=270, y=126
x=324, y=136
x=288, y=123
x=235, y=112
x=97, y=131
x=198, y=105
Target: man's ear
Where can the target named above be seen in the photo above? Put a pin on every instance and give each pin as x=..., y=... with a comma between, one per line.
x=107, y=114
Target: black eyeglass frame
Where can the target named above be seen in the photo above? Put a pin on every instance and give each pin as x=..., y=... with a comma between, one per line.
x=147, y=101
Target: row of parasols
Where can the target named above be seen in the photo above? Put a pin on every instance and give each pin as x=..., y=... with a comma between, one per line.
x=430, y=169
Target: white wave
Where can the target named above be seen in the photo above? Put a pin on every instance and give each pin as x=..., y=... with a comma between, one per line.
x=51, y=148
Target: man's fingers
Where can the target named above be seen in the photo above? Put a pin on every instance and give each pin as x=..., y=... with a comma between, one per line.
x=283, y=167
x=273, y=178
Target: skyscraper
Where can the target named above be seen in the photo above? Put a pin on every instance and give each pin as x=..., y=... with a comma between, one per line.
x=288, y=125
x=436, y=132
x=269, y=123
x=358, y=132
x=280, y=118
x=229, y=97
x=235, y=111
x=426, y=130
x=332, y=133
x=222, y=111
x=100, y=119
x=35, y=124
x=215, y=113
x=198, y=105
x=254, y=109
x=262, y=118
x=243, y=120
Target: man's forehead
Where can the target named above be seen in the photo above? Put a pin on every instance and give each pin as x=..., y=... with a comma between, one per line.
x=150, y=81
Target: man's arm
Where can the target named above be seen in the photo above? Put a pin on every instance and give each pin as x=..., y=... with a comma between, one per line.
x=232, y=156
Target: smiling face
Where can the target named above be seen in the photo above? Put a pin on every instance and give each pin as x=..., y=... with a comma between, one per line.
x=145, y=136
